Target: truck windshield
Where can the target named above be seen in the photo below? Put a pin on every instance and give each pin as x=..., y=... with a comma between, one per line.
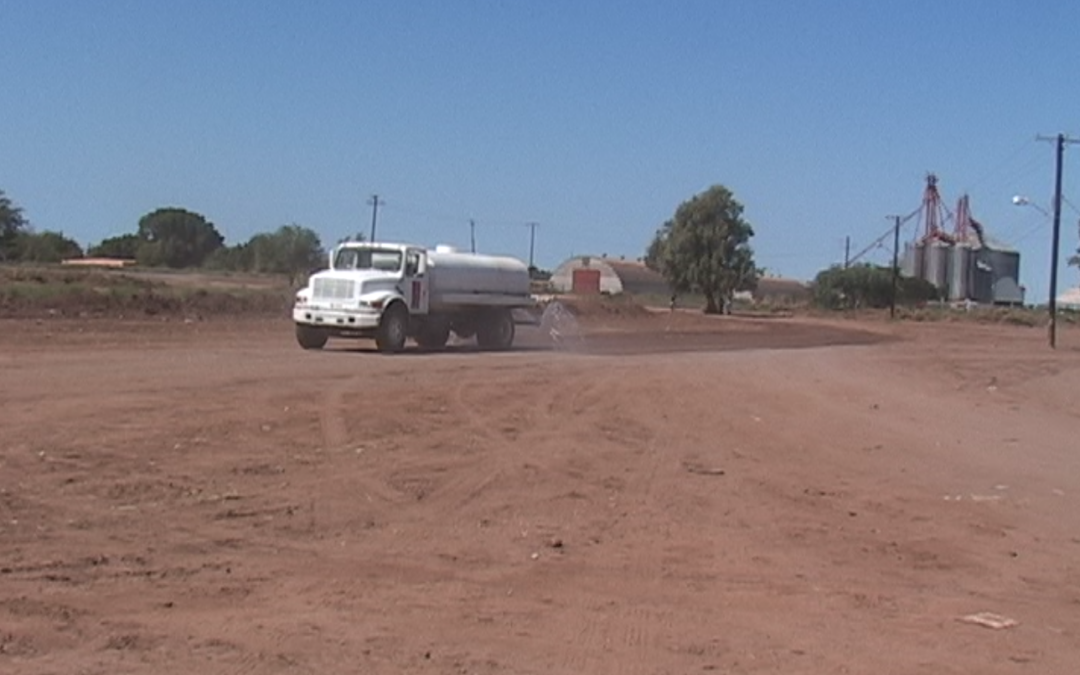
x=383, y=260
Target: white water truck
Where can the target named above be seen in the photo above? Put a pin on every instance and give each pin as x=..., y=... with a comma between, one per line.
x=393, y=292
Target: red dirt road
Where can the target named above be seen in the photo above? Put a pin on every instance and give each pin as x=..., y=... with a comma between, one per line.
x=695, y=497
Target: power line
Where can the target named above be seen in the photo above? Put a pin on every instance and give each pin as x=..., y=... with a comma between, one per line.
x=450, y=218
x=1026, y=145
x=878, y=242
x=422, y=213
x=1070, y=205
x=1027, y=233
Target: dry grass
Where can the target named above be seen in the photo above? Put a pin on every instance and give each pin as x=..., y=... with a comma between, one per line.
x=46, y=290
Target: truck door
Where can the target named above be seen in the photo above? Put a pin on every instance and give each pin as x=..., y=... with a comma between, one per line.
x=416, y=281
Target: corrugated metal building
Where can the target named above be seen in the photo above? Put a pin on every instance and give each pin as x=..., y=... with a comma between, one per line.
x=585, y=275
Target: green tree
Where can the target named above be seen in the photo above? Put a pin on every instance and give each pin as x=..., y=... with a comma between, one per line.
x=868, y=287
x=12, y=224
x=231, y=258
x=123, y=246
x=705, y=248
x=45, y=247
x=175, y=237
x=292, y=250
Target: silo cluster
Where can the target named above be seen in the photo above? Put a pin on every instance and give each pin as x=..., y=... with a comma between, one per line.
x=966, y=270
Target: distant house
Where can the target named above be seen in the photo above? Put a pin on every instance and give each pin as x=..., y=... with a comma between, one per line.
x=1070, y=299
x=778, y=290
x=592, y=275
x=98, y=262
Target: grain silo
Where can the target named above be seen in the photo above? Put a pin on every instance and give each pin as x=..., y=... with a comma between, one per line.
x=937, y=264
x=965, y=264
x=960, y=267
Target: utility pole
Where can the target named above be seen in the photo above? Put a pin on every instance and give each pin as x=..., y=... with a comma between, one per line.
x=1060, y=140
x=472, y=234
x=847, y=251
x=374, y=201
x=532, y=242
x=895, y=265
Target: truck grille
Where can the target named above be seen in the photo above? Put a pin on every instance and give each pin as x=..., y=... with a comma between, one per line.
x=335, y=289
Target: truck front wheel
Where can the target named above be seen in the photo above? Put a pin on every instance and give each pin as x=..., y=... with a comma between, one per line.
x=393, y=329
x=310, y=337
x=496, y=331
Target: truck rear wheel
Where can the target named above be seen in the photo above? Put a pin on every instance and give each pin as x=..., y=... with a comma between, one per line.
x=496, y=331
x=310, y=337
x=393, y=329
x=433, y=335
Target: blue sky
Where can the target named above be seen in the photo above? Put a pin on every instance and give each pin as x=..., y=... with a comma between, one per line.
x=594, y=119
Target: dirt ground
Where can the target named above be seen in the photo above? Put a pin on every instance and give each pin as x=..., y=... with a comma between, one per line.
x=668, y=494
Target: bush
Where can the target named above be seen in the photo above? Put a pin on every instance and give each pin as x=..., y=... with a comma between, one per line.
x=868, y=287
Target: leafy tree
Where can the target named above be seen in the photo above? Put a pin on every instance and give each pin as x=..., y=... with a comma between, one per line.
x=45, y=247
x=291, y=250
x=12, y=224
x=705, y=248
x=123, y=246
x=868, y=286
x=175, y=237
x=231, y=258
x=537, y=274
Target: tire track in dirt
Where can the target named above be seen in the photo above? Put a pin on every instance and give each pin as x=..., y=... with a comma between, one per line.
x=335, y=433
x=337, y=444
x=584, y=649
x=474, y=475
x=618, y=634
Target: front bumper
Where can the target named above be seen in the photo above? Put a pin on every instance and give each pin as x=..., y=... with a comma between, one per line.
x=340, y=319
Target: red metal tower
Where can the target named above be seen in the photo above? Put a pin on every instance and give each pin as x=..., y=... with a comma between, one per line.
x=932, y=212
x=963, y=219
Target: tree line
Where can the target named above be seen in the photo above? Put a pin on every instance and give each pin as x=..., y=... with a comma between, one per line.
x=167, y=237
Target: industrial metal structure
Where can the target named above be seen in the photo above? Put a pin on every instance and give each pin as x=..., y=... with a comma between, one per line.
x=965, y=264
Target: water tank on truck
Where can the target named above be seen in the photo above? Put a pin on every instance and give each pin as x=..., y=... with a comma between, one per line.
x=463, y=278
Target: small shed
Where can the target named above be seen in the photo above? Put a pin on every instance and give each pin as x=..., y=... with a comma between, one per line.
x=585, y=275
x=781, y=291
x=1070, y=299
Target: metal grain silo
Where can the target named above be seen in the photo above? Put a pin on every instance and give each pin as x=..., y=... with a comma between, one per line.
x=912, y=264
x=1005, y=275
x=937, y=264
x=960, y=273
x=982, y=277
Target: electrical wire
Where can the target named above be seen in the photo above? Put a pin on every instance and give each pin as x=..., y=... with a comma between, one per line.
x=878, y=243
x=1072, y=206
x=458, y=219
x=1026, y=145
x=1027, y=233
x=431, y=215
